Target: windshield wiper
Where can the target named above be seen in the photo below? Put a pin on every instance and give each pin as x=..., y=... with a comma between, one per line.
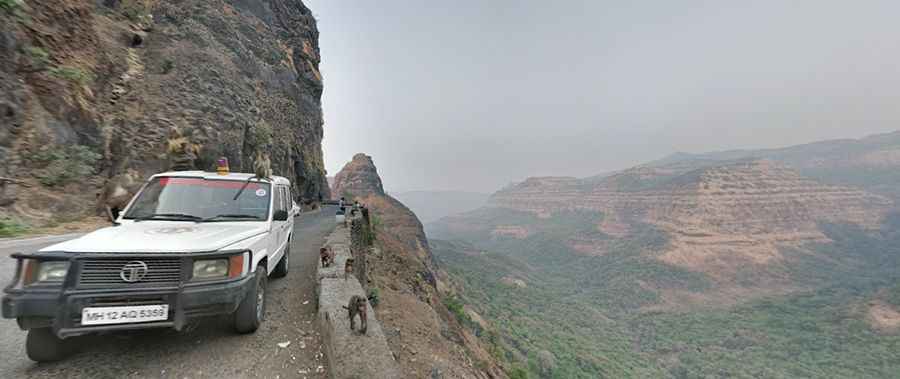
x=213, y=218
x=170, y=216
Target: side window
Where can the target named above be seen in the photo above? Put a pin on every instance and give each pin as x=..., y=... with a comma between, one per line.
x=277, y=206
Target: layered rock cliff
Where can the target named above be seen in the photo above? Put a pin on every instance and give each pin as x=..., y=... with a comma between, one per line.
x=426, y=339
x=872, y=162
x=94, y=89
x=718, y=217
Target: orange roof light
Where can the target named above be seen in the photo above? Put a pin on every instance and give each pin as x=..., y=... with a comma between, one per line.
x=222, y=166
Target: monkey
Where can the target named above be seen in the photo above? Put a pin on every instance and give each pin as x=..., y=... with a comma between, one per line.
x=182, y=153
x=118, y=191
x=262, y=166
x=327, y=256
x=356, y=306
x=348, y=268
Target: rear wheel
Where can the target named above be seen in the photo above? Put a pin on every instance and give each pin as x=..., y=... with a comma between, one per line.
x=281, y=269
x=42, y=345
x=252, y=310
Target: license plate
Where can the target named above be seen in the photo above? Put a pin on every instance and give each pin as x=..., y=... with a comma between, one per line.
x=124, y=315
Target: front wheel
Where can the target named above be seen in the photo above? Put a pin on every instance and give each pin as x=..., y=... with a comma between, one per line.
x=42, y=345
x=252, y=310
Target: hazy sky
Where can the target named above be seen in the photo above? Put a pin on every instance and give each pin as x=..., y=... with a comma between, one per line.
x=472, y=95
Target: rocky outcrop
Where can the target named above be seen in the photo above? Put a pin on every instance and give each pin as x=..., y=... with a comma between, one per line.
x=426, y=339
x=91, y=89
x=358, y=178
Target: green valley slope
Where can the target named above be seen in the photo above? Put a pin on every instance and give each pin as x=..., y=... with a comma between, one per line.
x=599, y=315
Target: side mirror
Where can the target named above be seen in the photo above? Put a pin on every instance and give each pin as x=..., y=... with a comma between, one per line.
x=280, y=215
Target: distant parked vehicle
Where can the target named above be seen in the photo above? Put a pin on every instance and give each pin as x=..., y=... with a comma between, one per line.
x=189, y=244
x=340, y=217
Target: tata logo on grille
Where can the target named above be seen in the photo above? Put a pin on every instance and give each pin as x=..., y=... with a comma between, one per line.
x=133, y=271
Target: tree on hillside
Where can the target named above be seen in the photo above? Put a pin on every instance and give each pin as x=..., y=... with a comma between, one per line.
x=546, y=362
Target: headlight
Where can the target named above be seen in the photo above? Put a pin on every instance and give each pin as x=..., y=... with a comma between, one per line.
x=210, y=268
x=47, y=271
x=52, y=271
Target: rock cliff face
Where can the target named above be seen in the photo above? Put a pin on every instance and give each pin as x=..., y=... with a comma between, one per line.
x=94, y=89
x=427, y=340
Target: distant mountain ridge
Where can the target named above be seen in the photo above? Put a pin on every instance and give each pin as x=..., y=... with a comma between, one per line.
x=721, y=210
x=828, y=149
x=719, y=219
x=871, y=162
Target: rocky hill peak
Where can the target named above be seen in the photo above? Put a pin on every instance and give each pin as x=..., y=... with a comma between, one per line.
x=359, y=177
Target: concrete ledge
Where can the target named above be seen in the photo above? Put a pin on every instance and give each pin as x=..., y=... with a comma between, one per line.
x=336, y=270
x=350, y=354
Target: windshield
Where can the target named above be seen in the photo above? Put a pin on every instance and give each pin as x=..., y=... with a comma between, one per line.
x=199, y=198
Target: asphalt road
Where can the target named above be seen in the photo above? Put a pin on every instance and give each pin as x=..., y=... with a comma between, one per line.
x=209, y=348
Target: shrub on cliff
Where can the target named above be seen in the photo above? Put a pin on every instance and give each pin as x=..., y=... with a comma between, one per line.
x=72, y=74
x=11, y=228
x=374, y=297
x=10, y=5
x=66, y=164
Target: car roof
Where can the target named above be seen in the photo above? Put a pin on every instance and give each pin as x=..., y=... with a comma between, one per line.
x=216, y=176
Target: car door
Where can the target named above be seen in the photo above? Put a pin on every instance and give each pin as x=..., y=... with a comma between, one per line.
x=287, y=225
x=277, y=241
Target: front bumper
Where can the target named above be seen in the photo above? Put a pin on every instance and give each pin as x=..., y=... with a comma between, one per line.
x=61, y=307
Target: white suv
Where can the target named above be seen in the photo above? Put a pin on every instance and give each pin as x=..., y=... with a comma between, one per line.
x=189, y=244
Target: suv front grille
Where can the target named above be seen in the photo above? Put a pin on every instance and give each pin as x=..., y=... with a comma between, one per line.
x=107, y=272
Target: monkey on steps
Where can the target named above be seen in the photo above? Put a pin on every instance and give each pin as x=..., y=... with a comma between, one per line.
x=357, y=306
x=348, y=268
x=326, y=255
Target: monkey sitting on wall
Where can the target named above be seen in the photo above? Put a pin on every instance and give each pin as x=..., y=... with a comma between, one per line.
x=357, y=306
x=348, y=268
x=326, y=255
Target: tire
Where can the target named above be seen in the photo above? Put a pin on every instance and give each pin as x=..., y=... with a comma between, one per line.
x=252, y=310
x=42, y=345
x=281, y=270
